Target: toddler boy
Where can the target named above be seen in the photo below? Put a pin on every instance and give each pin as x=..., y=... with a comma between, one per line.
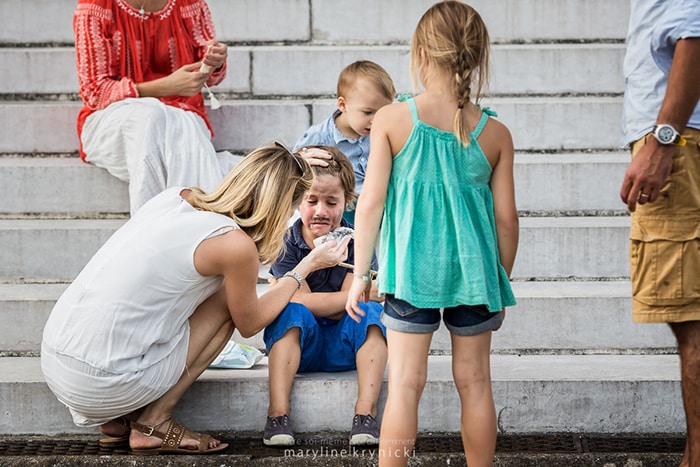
x=363, y=88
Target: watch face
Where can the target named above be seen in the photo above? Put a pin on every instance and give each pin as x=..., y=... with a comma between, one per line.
x=666, y=134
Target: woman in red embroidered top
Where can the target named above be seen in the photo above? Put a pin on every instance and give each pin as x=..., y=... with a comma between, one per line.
x=139, y=72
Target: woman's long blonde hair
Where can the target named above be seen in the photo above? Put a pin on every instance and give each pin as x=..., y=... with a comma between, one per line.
x=259, y=194
x=454, y=38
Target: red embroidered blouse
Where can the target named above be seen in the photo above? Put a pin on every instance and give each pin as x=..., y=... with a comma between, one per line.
x=116, y=48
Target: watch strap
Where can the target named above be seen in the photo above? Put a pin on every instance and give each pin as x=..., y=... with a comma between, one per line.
x=678, y=140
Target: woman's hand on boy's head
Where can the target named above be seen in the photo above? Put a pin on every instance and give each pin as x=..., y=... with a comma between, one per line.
x=315, y=156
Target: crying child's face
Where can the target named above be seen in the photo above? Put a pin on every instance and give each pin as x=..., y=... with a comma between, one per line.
x=322, y=207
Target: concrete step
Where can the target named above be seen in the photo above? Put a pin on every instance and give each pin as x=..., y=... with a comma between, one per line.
x=570, y=182
x=584, y=247
x=550, y=247
x=60, y=185
x=540, y=68
x=579, y=317
x=27, y=307
x=541, y=124
x=345, y=20
x=49, y=126
x=82, y=189
x=40, y=249
x=533, y=394
x=507, y=20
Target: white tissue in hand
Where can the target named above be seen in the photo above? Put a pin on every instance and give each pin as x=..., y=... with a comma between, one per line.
x=338, y=235
x=204, y=69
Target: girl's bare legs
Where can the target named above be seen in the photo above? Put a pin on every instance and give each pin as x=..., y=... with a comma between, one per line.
x=371, y=363
x=210, y=329
x=408, y=371
x=283, y=362
x=472, y=375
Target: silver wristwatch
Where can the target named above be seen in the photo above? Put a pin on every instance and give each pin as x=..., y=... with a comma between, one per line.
x=666, y=134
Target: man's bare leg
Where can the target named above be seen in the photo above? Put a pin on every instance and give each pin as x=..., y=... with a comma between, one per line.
x=688, y=338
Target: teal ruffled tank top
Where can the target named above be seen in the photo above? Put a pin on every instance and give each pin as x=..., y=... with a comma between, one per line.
x=438, y=243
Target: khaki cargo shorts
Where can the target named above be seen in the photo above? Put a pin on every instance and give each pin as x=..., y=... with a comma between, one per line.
x=665, y=243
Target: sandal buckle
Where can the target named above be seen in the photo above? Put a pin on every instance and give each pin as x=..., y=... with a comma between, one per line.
x=151, y=429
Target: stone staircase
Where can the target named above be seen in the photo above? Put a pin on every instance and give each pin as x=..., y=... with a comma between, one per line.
x=568, y=358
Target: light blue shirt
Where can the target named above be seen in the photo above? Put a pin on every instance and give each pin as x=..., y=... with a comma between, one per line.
x=655, y=28
x=327, y=133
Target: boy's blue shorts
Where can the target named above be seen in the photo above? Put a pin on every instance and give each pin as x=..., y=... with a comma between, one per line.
x=326, y=344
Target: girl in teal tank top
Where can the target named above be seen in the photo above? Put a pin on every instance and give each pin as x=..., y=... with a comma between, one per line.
x=439, y=182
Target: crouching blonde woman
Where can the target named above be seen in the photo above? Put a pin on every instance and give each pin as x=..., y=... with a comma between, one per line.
x=158, y=302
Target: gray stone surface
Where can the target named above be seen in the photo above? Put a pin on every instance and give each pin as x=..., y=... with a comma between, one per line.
x=550, y=247
x=559, y=317
x=543, y=124
x=561, y=247
x=543, y=68
x=346, y=20
x=550, y=393
x=548, y=123
x=508, y=20
x=59, y=185
x=547, y=183
x=43, y=250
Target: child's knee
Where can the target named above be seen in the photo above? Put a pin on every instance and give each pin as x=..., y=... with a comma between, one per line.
x=469, y=380
x=411, y=382
x=292, y=336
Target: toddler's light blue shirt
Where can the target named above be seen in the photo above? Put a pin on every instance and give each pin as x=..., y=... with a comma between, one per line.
x=327, y=133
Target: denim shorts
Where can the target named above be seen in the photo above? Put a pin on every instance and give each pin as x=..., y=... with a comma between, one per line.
x=462, y=320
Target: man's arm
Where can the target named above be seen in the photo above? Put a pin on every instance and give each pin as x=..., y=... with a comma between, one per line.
x=650, y=168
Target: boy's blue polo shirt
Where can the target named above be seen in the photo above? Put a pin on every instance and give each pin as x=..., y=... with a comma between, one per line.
x=323, y=280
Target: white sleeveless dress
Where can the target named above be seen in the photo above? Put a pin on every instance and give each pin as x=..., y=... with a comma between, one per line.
x=117, y=338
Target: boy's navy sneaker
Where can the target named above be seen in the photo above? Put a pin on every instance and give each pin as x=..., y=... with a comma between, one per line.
x=365, y=431
x=278, y=431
